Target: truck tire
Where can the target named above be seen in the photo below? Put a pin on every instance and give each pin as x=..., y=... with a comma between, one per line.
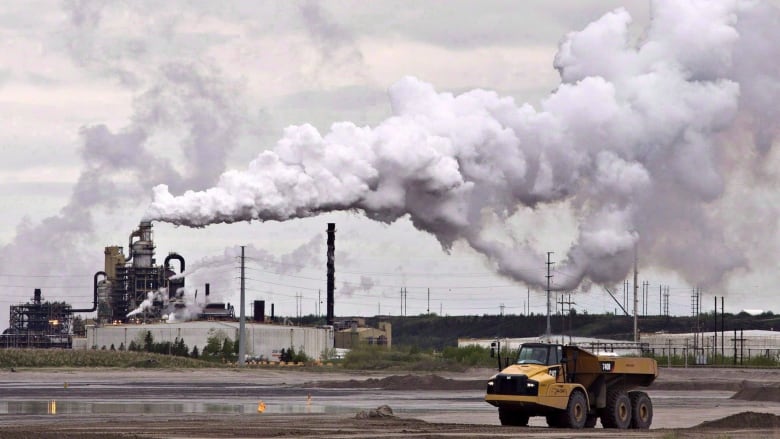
x=576, y=413
x=641, y=410
x=516, y=418
x=617, y=413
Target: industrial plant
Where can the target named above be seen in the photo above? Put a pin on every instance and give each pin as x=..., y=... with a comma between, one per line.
x=134, y=295
x=136, y=288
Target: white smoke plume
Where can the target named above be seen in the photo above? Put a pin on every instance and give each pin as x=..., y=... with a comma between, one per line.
x=148, y=302
x=634, y=139
x=121, y=164
x=349, y=288
x=222, y=271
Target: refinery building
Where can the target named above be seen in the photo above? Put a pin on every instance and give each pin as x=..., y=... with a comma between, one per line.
x=134, y=295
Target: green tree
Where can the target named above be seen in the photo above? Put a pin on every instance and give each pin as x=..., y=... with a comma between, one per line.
x=148, y=342
x=195, y=353
x=79, y=328
x=213, y=348
x=227, y=349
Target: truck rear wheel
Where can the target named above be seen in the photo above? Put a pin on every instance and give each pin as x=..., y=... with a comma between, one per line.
x=617, y=413
x=576, y=413
x=515, y=417
x=641, y=410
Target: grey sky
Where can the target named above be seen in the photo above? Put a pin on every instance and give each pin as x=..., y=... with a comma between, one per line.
x=161, y=83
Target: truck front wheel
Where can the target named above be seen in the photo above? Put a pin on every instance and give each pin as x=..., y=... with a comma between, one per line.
x=512, y=417
x=576, y=413
x=617, y=413
x=641, y=410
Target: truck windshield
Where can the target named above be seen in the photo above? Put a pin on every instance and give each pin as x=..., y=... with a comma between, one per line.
x=533, y=355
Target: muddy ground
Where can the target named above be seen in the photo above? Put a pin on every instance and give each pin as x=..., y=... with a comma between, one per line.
x=688, y=403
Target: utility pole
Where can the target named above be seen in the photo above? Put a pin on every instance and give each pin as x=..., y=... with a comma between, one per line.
x=429, y=302
x=549, y=276
x=319, y=303
x=666, y=301
x=722, y=327
x=242, y=317
x=563, y=317
x=528, y=301
x=715, y=332
x=636, y=290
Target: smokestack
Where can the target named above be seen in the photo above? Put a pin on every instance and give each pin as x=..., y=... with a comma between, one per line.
x=37, y=296
x=259, y=314
x=272, y=313
x=331, y=269
x=208, y=287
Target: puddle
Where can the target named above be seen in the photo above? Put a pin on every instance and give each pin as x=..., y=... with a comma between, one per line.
x=63, y=407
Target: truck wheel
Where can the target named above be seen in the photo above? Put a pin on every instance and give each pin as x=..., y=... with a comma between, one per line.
x=641, y=410
x=511, y=417
x=576, y=413
x=617, y=413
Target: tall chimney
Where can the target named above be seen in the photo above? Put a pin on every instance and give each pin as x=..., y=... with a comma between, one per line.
x=331, y=269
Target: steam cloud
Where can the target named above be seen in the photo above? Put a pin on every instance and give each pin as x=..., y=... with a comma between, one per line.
x=637, y=140
x=220, y=271
x=121, y=164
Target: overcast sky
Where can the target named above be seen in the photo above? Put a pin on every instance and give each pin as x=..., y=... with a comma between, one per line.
x=102, y=100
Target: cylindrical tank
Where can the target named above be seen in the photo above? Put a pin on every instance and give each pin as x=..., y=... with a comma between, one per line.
x=104, y=301
x=143, y=249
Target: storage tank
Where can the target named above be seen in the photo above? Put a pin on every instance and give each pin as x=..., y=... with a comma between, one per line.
x=143, y=249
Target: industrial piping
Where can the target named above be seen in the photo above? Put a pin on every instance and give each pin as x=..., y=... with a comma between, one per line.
x=178, y=257
x=95, y=292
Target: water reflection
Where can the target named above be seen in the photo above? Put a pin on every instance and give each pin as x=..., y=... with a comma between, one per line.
x=63, y=407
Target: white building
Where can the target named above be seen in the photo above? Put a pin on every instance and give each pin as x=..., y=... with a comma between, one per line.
x=262, y=340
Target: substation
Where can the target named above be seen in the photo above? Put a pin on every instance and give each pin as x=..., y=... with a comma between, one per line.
x=133, y=295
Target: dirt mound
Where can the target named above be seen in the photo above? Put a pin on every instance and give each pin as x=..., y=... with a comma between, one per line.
x=758, y=392
x=402, y=382
x=383, y=411
x=696, y=385
x=744, y=420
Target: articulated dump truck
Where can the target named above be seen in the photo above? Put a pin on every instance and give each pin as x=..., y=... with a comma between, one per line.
x=573, y=388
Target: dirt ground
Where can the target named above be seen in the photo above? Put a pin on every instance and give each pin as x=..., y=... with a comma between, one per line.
x=78, y=403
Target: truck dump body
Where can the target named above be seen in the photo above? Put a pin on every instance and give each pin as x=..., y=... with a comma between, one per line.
x=587, y=368
x=573, y=388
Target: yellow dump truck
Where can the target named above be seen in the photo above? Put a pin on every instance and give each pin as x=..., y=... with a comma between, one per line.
x=573, y=388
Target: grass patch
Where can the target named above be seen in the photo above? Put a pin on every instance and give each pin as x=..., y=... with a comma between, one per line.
x=413, y=359
x=40, y=358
